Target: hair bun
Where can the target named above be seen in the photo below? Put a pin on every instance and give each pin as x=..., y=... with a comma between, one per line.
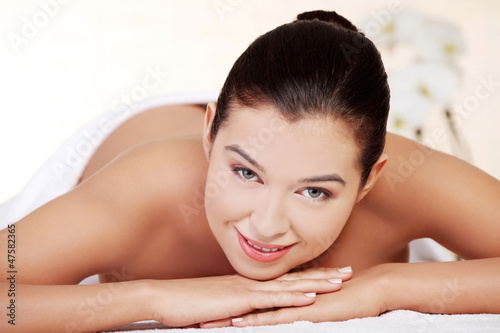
x=330, y=17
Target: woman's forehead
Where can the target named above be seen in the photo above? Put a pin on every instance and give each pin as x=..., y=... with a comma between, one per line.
x=265, y=133
x=268, y=121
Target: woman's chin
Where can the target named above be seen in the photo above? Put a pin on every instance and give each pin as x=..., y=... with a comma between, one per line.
x=258, y=273
x=259, y=276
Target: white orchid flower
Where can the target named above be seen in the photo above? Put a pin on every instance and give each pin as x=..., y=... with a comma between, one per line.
x=400, y=28
x=416, y=87
x=439, y=41
x=408, y=109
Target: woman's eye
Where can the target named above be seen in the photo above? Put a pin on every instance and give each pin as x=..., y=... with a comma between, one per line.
x=316, y=193
x=246, y=174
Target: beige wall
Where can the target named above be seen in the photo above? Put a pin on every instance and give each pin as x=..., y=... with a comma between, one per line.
x=90, y=52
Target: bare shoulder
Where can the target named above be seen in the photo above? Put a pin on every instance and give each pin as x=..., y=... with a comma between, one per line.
x=101, y=224
x=152, y=182
x=411, y=163
x=436, y=195
x=155, y=176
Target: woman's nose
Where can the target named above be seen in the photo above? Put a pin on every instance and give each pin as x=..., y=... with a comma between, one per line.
x=269, y=218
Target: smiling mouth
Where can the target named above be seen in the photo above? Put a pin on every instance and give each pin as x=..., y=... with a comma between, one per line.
x=263, y=249
x=262, y=252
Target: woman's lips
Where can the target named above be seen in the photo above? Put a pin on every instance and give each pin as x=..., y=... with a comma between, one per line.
x=262, y=252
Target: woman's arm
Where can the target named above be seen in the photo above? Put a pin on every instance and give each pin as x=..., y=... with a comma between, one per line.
x=471, y=286
x=70, y=308
x=181, y=302
x=436, y=287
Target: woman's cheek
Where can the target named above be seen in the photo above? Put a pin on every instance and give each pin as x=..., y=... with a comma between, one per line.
x=229, y=203
x=319, y=227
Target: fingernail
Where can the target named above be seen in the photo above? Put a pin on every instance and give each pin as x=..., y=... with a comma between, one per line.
x=338, y=281
x=347, y=269
x=310, y=295
x=236, y=320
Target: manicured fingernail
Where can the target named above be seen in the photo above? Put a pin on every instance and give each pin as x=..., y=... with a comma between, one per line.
x=236, y=320
x=347, y=269
x=338, y=281
x=310, y=295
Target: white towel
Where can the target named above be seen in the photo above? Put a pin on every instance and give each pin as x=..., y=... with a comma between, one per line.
x=63, y=169
x=394, y=321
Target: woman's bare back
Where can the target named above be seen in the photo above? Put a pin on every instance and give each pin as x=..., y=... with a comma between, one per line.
x=165, y=122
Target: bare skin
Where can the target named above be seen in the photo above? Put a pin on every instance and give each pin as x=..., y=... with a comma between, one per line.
x=127, y=198
x=360, y=228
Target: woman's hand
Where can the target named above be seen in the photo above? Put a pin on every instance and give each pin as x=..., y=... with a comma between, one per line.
x=362, y=296
x=186, y=302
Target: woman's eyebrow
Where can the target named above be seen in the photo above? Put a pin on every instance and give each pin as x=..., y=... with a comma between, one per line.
x=237, y=149
x=325, y=178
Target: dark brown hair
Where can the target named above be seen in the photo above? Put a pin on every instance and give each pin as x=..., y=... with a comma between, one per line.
x=318, y=65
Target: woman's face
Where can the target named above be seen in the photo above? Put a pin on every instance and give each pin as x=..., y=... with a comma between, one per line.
x=278, y=194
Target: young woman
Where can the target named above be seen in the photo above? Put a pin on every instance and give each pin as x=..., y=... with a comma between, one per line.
x=262, y=202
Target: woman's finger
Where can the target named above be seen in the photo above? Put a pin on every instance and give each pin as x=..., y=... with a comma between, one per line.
x=217, y=323
x=261, y=299
x=344, y=273
x=302, y=285
x=280, y=316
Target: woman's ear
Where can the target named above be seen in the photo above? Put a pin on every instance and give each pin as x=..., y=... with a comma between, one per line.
x=372, y=178
x=207, y=127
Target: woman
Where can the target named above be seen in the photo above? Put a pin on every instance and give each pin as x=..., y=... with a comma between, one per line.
x=295, y=166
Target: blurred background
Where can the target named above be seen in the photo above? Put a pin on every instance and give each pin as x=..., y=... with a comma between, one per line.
x=64, y=62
